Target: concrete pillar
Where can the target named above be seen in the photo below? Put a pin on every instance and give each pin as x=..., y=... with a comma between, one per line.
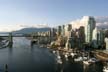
x=10, y=40
x=6, y=68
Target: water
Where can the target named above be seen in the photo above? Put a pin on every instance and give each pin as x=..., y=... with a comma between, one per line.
x=23, y=58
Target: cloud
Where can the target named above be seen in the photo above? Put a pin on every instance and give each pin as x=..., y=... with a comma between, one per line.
x=76, y=24
x=35, y=25
x=102, y=22
x=9, y=28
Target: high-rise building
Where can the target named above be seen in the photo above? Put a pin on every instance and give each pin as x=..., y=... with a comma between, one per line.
x=95, y=37
x=81, y=36
x=68, y=44
x=63, y=30
x=89, y=27
x=59, y=29
x=102, y=36
x=53, y=33
x=68, y=29
x=98, y=38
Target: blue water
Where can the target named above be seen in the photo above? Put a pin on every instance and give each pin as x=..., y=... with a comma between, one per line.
x=24, y=58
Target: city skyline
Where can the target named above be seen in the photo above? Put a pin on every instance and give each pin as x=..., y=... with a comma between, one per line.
x=101, y=22
x=49, y=12
x=53, y=36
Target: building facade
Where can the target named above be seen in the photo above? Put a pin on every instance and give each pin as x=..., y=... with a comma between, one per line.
x=59, y=30
x=89, y=27
x=98, y=38
x=68, y=29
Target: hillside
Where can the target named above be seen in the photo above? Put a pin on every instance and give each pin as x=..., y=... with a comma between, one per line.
x=30, y=30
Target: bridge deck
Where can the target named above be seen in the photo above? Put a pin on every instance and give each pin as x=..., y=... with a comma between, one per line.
x=25, y=36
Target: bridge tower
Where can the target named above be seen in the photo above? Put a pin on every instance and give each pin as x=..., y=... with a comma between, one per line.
x=10, y=40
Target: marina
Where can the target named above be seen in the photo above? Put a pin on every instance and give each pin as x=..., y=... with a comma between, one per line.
x=53, y=36
x=64, y=59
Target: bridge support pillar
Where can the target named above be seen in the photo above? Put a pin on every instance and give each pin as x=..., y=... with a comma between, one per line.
x=10, y=40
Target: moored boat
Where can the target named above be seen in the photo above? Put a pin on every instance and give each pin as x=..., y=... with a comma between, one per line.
x=4, y=43
x=101, y=56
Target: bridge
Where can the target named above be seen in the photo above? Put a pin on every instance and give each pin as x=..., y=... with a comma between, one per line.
x=34, y=37
x=26, y=36
x=22, y=35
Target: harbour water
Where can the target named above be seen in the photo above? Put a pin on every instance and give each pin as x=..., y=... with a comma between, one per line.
x=23, y=58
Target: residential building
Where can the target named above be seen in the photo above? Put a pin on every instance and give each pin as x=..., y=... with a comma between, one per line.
x=59, y=30
x=89, y=27
x=68, y=29
x=63, y=30
x=98, y=38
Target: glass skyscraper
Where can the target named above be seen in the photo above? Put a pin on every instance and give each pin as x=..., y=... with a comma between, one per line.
x=89, y=27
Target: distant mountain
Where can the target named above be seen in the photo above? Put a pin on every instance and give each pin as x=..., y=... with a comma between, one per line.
x=4, y=32
x=30, y=30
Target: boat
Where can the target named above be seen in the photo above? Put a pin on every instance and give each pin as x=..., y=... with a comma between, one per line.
x=4, y=43
x=105, y=69
x=86, y=63
x=101, y=56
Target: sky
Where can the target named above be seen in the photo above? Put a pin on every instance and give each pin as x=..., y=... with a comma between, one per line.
x=15, y=13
